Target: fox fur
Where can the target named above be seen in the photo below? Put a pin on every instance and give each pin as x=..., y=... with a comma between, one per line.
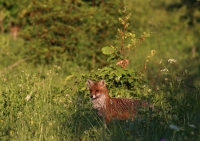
x=112, y=108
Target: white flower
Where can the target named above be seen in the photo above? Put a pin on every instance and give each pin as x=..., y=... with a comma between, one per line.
x=166, y=79
x=172, y=61
x=164, y=70
x=28, y=97
x=172, y=126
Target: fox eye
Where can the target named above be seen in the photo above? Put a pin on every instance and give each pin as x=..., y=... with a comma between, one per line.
x=97, y=91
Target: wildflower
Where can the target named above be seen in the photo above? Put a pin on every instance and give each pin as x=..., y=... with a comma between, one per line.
x=166, y=79
x=172, y=126
x=153, y=52
x=129, y=46
x=172, y=61
x=122, y=63
x=28, y=97
x=164, y=70
x=178, y=79
x=162, y=139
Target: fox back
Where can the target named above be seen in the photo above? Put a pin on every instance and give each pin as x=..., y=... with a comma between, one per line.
x=112, y=108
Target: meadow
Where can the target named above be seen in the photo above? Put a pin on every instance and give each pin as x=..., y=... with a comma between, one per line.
x=155, y=57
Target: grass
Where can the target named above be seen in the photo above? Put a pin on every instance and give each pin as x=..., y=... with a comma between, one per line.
x=43, y=103
x=47, y=103
x=36, y=105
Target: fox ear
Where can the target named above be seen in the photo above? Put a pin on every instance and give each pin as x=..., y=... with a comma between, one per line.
x=90, y=83
x=103, y=83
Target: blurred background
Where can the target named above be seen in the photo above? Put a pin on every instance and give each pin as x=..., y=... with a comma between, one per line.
x=71, y=33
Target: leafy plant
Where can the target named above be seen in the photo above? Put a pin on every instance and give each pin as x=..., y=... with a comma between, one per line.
x=120, y=53
x=37, y=104
x=71, y=30
x=169, y=95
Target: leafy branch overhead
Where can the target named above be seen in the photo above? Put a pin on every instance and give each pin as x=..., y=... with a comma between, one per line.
x=128, y=41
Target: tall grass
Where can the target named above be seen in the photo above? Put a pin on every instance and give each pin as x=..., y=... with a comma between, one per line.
x=43, y=103
x=36, y=106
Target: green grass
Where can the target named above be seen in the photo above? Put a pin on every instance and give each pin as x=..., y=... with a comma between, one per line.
x=36, y=105
x=44, y=103
x=40, y=103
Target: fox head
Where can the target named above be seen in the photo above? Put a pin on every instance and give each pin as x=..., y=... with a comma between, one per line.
x=97, y=89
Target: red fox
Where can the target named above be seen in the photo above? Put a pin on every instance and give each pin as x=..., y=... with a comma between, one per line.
x=112, y=108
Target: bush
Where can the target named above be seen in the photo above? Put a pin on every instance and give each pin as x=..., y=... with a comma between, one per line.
x=53, y=30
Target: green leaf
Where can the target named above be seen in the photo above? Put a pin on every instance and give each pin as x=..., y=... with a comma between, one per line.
x=118, y=73
x=111, y=58
x=108, y=50
x=69, y=77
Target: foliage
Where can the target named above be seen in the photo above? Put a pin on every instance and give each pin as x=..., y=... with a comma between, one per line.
x=11, y=51
x=191, y=13
x=120, y=53
x=51, y=102
x=38, y=106
x=172, y=104
x=173, y=37
x=64, y=29
x=190, y=16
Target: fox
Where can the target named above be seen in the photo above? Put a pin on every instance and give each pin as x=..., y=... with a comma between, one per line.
x=112, y=108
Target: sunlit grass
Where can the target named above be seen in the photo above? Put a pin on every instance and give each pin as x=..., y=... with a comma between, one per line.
x=42, y=103
x=35, y=106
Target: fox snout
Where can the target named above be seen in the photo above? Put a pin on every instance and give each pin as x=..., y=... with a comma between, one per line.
x=94, y=96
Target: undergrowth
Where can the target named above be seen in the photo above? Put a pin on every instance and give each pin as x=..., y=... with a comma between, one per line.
x=43, y=105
